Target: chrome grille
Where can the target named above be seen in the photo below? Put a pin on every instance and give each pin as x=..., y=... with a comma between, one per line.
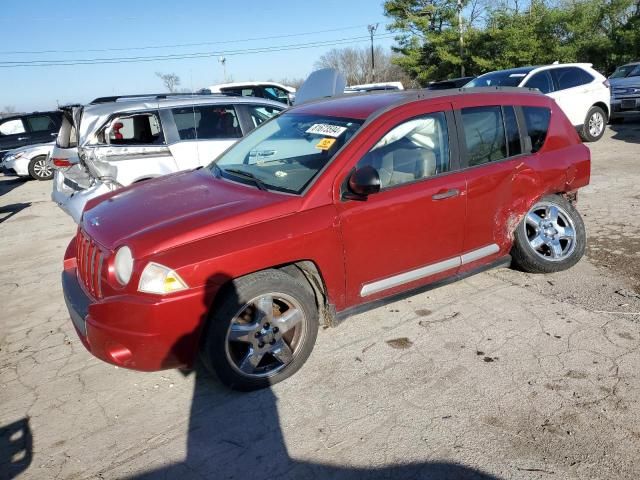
x=89, y=262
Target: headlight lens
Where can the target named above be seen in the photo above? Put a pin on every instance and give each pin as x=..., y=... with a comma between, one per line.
x=123, y=265
x=159, y=279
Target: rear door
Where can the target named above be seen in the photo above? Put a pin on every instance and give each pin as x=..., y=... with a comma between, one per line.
x=491, y=150
x=202, y=133
x=575, y=92
x=43, y=128
x=130, y=147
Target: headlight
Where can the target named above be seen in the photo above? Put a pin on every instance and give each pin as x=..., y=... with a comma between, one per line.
x=159, y=279
x=123, y=265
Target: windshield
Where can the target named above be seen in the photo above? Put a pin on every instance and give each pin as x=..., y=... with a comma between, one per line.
x=287, y=152
x=626, y=71
x=498, y=79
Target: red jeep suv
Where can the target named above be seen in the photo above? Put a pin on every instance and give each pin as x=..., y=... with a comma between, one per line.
x=327, y=209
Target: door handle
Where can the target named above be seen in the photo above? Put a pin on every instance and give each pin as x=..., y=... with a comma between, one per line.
x=22, y=138
x=454, y=192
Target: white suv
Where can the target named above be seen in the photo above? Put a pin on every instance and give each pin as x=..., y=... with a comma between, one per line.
x=117, y=141
x=581, y=92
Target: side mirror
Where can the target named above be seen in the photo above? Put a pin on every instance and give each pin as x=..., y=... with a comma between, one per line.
x=361, y=183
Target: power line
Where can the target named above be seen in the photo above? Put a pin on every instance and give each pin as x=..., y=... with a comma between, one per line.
x=178, y=45
x=116, y=60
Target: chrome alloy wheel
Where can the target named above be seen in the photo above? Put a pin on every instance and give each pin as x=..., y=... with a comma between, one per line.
x=41, y=168
x=550, y=232
x=596, y=124
x=266, y=335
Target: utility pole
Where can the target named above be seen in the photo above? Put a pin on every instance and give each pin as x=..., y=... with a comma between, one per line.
x=461, y=38
x=223, y=62
x=372, y=30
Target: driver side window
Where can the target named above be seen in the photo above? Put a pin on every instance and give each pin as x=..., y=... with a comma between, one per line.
x=411, y=151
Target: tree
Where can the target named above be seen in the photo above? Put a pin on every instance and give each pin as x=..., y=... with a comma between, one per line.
x=511, y=33
x=9, y=109
x=355, y=65
x=170, y=80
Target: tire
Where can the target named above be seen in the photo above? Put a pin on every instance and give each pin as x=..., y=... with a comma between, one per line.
x=550, y=238
x=594, y=124
x=267, y=346
x=40, y=169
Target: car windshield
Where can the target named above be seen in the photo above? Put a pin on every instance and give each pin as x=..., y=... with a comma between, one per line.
x=287, y=152
x=507, y=78
x=626, y=71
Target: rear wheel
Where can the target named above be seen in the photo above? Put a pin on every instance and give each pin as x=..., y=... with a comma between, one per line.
x=262, y=330
x=550, y=238
x=39, y=168
x=594, y=125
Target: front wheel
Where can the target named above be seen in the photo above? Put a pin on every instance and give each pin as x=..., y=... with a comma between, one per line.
x=39, y=168
x=594, y=125
x=263, y=330
x=550, y=238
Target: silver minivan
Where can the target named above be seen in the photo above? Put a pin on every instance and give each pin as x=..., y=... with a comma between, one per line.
x=116, y=141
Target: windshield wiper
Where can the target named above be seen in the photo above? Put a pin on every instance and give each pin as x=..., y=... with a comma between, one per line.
x=259, y=183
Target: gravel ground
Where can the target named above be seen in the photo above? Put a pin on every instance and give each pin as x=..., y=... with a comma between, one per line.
x=502, y=375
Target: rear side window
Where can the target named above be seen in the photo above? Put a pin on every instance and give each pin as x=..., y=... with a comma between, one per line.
x=261, y=113
x=537, y=123
x=570, y=77
x=484, y=134
x=513, y=133
x=206, y=122
x=41, y=123
x=135, y=129
x=542, y=81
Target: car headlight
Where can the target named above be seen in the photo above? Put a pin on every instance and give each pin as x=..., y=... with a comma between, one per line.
x=123, y=265
x=159, y=279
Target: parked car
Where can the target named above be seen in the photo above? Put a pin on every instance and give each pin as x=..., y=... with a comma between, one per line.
x=625, y=91
x=125, y=140
x=269, y=90
x=330, y=208
x=578, y=89
x=374, y=87
x=450, y=83
x=28, y=129
x=31, y=161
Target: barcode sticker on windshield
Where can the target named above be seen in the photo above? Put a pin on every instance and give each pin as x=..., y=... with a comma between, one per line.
x=327, y=130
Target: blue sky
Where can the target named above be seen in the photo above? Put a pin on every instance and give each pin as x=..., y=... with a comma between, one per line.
x=72, y=27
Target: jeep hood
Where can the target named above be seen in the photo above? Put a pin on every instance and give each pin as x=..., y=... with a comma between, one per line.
x=159, y=214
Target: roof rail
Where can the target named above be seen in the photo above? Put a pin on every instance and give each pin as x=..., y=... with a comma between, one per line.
x=156, y=96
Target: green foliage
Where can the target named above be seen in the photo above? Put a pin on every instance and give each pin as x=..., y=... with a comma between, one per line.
x=603, y=32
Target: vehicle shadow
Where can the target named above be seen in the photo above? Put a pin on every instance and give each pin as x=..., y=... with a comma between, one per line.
x=234, y=435
x=16, y=448
x=9, y=211
x=8, y=184
x=628, y=131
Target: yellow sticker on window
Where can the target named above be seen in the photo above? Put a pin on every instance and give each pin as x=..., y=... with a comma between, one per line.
x=326, y=143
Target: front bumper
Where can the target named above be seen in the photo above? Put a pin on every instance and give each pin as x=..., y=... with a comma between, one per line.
x=140, y=332
x=625, y=104
x=16, y=166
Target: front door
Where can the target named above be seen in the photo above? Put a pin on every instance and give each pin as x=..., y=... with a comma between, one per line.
x=411, y=232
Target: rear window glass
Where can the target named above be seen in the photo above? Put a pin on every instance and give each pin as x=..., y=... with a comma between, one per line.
x=571, y=77
x=537, y=123
x=206, y=122
x=484, y=134
x=136, y=129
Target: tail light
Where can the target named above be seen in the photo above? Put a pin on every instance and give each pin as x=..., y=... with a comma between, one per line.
x=606, y=83
x=61, y=162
